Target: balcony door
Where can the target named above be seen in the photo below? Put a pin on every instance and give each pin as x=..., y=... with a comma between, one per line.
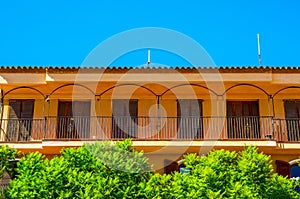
x=243, y=119
x=19, y=125
x=292, y=116
x=124, y=123
x=73, y=119
x=189, y=122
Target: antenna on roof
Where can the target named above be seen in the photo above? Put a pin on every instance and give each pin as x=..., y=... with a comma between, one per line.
x=258, y=49
x=149, y=61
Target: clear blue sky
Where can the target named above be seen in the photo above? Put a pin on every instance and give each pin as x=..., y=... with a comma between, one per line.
x=63, y=32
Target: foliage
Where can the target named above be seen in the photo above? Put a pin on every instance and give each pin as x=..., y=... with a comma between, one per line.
x=116, y=170
x=6, y=154
x=86, y=172
x=245, y=174
x=223, y=174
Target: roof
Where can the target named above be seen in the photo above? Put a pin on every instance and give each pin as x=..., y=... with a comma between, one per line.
x=123, y=69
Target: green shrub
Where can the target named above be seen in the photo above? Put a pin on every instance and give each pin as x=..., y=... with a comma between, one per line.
x=116, y=170
x=6, y=154
x=246, y=174
x=98, y=170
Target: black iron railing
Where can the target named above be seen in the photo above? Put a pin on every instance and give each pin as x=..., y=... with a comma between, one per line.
x=287, y=129
x=150, y=128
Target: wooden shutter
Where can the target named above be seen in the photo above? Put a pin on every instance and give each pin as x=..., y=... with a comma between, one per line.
x=81, y=108
x=27, y=109
x=291, y=109
x=170, y=166
x=242, y=108
x=283, y=168
x=124, y=122
x=292, y=116
x=73, y=120
x=19, y=125
x=81, y=111
x=15, y=109
x=189, y=123
x=242, y=119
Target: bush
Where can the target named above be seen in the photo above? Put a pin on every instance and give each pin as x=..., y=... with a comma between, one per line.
x=108, y=170
x=247, y=174
x=6, y=154
x=87, y=172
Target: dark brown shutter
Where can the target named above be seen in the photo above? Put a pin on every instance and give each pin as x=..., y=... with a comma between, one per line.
x=15, y=109
x=81, y=108
x=170, y=166
x=242, y=108
x=19, y=125
x=133, y=108
x=189, y=123
x=73, y=120
x=292, y=111
x=243, y=119
x=27, y=109
x=125, y=114
x=283, y=168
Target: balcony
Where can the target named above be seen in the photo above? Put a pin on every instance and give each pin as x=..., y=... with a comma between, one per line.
x=150, y=128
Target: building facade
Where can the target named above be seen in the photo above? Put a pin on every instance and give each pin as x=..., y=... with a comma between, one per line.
x=167, y=112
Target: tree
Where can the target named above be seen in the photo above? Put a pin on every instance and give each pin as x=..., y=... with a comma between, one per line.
x=245, y=174
x=116, y=170
x=6, y=154
x=98, y=170
x=223, y=174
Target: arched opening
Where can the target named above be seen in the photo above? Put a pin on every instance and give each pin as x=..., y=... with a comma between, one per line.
x=244, y=84
x=122, y=85
x=20, y=123
x=288, y=118
x=22, y=87
x=128, y=110
x=193, y=85
x=187, y=116
x=290, y=169
x=70, y=118
x=249, y=112
x=71, y=84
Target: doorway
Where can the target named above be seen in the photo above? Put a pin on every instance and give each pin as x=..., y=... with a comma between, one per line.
x=73, y=119
x=243, y=119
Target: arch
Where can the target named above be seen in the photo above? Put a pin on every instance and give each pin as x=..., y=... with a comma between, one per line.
x=197, y=85
x=120, y=85
x=22, y=87
x=245, y=84
x=71, y=84
x=295, y=161
x=285, y=88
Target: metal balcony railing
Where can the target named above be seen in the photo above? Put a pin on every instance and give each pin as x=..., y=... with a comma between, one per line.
x=24, y=130
x=287, y=130
x=149, y=128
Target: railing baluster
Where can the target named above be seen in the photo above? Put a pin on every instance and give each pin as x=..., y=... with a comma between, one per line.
x=144, y=127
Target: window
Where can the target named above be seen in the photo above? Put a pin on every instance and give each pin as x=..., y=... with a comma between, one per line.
x=189, y=122
x=243, y=119
x=19, y=125
x=124, y=124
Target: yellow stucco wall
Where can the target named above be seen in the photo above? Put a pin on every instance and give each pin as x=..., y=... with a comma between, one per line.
x=100, y=128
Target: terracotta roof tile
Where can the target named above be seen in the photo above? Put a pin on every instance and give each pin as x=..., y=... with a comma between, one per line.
x=122, y=69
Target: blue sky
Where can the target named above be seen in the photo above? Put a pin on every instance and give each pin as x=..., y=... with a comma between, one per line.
x=63, y=33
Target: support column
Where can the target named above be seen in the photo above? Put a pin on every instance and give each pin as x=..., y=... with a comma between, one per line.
x=158, y=126
x=2, y=136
